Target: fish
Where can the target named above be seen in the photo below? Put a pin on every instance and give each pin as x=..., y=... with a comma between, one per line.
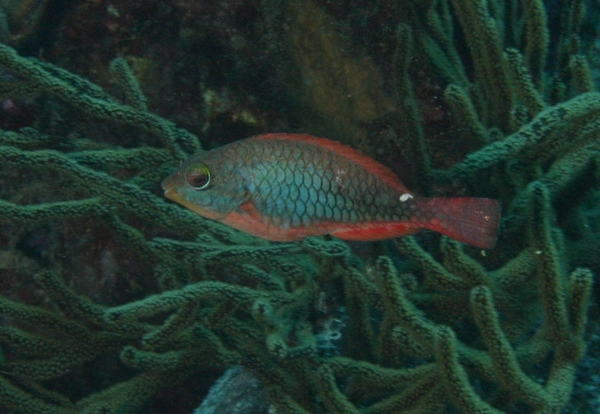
x=285, y=187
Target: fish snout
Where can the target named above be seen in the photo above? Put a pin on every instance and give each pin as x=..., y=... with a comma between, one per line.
x=169, y=184
x=164, y=185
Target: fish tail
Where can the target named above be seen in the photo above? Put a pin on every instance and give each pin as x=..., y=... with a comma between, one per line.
x=469, y=220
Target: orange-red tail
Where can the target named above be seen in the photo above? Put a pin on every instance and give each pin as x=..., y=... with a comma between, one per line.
x=469, y=220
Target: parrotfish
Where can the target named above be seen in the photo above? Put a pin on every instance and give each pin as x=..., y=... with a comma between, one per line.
x=285, y=187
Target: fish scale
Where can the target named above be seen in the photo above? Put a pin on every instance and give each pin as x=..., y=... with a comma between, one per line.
x=285, y=187
x=317, y=203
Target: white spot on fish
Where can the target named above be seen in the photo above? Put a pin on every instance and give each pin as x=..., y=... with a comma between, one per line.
x=405, y=197
x=339, y=177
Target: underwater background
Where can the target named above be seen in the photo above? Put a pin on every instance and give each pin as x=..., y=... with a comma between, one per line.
x=114, y=299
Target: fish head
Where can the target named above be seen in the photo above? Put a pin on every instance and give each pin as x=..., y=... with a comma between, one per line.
x=207, y=185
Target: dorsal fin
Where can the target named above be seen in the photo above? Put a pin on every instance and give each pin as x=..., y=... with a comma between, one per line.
x=345, y=151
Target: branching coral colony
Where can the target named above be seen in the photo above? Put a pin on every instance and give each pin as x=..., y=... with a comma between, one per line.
x=451, y=333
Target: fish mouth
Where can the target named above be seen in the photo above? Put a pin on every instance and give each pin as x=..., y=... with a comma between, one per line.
x=164, y=185
x=168, y=193
x=167, y=186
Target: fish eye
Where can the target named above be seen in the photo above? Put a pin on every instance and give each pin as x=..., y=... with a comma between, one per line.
x=198, y=178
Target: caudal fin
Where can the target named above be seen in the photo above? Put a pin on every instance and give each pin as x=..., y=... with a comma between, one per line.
x=468, y=220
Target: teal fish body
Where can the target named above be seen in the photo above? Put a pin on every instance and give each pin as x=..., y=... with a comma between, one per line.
x=288, y=186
